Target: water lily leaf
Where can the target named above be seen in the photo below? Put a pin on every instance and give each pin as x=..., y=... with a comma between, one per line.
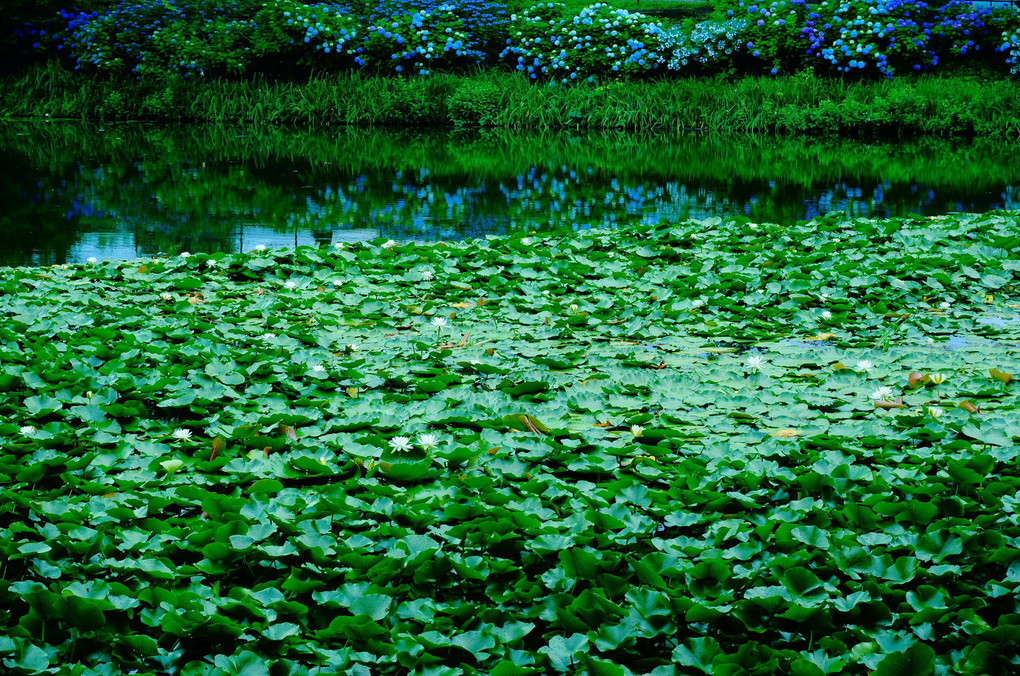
x=246, y=663
x=42, y=405
x=281, y=631
x=917, y=660
x=269, y=486
x=525, y=423
x=699, y=653
x=987, y=434
x=508, y=668
x=28, y=659
x=1001, y=376
x=475, y=642
x=188, y=283
x=564, y=651
x=967, y=406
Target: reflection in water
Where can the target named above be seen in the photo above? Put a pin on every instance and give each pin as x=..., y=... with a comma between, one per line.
x=70, y=192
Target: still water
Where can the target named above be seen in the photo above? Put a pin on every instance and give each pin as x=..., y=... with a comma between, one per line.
x=70, y=192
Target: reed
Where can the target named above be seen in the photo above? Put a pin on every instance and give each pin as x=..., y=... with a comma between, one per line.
x=958, y=105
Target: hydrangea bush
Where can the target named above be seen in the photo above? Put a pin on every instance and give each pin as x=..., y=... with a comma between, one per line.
x=548, y=42
x=706, y=47
x=311, y=35
x=773, y=32
x=155, y=39
x=1011, y=47
x=149, y=38
x=870, y=37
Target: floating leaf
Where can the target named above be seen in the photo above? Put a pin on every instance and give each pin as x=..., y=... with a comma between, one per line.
x=1001, y=376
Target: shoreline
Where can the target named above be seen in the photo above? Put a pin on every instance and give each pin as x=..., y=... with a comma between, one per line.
x=959, y=105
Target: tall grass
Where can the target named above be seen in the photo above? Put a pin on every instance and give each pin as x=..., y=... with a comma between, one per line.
x=936, y=105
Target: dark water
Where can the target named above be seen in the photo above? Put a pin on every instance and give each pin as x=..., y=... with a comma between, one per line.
x=70, y=192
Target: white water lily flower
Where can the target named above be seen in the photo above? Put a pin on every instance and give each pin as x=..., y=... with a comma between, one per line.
x=338, y=245
x=260, y=247
x=338, y=282
x=389, y=244
x=826, y=314
x=426, y=275
x=268, y=336
x=574, y=307
x=166, y=296
x=185, y=254
x=92, y=260
x=937, y=378
x=28, y=430
x=882, y=394
x=945, y=305
x=210, y=263
x=427, y=441
x=318, y=368
x=865, y=366
x=290, y=284
x=439, y=322
x=637, y=430
x=935, y=411
x=697, y=302
x=400, y=444
x=183, y=433
x=755, y=361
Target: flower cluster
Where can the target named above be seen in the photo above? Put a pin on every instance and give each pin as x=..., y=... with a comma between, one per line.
x=548, y=42
x=1011, y=47
x=710, y=46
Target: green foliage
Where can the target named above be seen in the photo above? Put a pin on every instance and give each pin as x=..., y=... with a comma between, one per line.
x=475, y=103
x=549, y=42
x=803, y=104
x=612, y=450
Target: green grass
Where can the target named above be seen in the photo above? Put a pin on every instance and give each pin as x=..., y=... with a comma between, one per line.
x=706, y=445
x=936, y=105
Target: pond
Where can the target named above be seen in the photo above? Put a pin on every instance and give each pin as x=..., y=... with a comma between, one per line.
x=70, y=192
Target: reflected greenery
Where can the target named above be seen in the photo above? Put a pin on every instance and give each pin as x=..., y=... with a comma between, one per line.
x=129, y=191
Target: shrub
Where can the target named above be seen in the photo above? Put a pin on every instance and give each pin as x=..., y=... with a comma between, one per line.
x=417, y=42
x=547, y=42
x=156, y=38
x=314, y=36
x=704, y=48
x=1011, y=47
x=391, y=37
x=773, y=33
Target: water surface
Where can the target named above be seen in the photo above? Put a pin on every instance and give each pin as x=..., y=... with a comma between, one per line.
x=69, y=192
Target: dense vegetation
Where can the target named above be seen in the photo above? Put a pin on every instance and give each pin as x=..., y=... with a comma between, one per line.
x=928, y=105
x=548, y=41
x=204, y=60
x=713, y=447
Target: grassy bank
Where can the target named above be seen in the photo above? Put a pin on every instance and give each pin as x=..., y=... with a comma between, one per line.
x=729, y=445
x=934, y=104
